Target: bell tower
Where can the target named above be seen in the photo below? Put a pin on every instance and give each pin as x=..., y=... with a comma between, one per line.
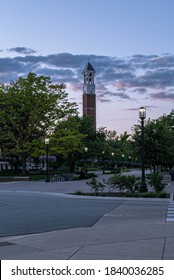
x=89, y=97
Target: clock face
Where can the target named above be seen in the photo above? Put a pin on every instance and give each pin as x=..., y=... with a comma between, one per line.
x=91, y=89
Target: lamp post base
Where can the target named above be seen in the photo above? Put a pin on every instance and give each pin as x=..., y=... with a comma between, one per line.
x=47, y=180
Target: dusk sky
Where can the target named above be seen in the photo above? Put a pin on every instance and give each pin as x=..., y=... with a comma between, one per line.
x=130, y=43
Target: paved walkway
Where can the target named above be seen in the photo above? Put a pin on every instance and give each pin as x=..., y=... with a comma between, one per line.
x=112, y=238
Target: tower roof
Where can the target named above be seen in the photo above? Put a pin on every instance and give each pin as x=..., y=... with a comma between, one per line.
x=88, y=67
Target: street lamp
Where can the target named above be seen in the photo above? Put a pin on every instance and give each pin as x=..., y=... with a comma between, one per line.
x=123, y=160
x=129, y=159
x=47, y=142
x=142, y=116
x=103, y=159
x=112, y=154
x=86, y=150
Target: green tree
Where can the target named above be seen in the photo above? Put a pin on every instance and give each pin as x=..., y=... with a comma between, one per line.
x=159, y=141
x=30, y=108
x=67, y=141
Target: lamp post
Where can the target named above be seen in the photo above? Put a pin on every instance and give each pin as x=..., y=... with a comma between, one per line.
x=103, y=159
x=47, y=142
x=86, y=150
x=142, y=116
x=129, y=161
x=112, y=154
x=123, y=160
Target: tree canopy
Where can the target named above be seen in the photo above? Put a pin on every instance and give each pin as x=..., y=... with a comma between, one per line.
x=159, y=141
x=30, y=108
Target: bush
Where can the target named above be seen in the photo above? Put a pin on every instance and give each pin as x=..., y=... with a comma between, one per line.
x=115, y=182
x=155, y=181
x=84, y=175
x=110, y=183
x=129, y=183
x=154, y=195
x=149, y=195
x=79, y=193
x=97, y=187
x=133, y=184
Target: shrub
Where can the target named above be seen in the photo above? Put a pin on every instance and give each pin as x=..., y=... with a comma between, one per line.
x=129, y=183
x=96, y=186
x=84, y=175
x=149, y=195
x=133, y=184
x=79, y=192
x=155, y=181
x=112, y=183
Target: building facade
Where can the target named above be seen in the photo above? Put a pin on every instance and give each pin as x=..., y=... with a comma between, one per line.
x=89, y=96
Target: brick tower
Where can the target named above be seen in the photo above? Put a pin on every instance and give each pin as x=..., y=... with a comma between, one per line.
x=89, y=97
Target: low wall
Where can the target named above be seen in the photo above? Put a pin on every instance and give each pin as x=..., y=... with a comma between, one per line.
x=13, y=178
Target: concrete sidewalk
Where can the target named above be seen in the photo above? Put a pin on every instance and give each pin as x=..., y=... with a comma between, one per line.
x=111, y=238
x=105, y=240
x=99, y=242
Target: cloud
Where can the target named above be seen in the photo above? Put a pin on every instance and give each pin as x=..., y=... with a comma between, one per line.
x=141, y=90
x=10, y=69
x=137, y=108
x=163, y=95
x=116, y=78
x=159, y=77
x=22, y=50
x=122, y=95
x=105, y=100
x=114, y=94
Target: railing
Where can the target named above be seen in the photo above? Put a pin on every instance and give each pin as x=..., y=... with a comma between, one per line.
x=61, y=177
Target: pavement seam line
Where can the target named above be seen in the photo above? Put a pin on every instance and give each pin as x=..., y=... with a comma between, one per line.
x=124, y=241
x=162, y=257
x=75, y=252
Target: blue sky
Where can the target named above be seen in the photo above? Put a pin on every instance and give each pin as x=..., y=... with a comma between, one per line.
x=130, y=43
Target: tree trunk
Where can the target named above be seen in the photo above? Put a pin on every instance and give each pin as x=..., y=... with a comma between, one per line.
x=16, y=165
x=24, y=173
x=72, y=164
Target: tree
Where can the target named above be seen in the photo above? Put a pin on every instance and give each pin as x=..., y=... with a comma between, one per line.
x=159, y=141
x=67, y=141
x=30, y=108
